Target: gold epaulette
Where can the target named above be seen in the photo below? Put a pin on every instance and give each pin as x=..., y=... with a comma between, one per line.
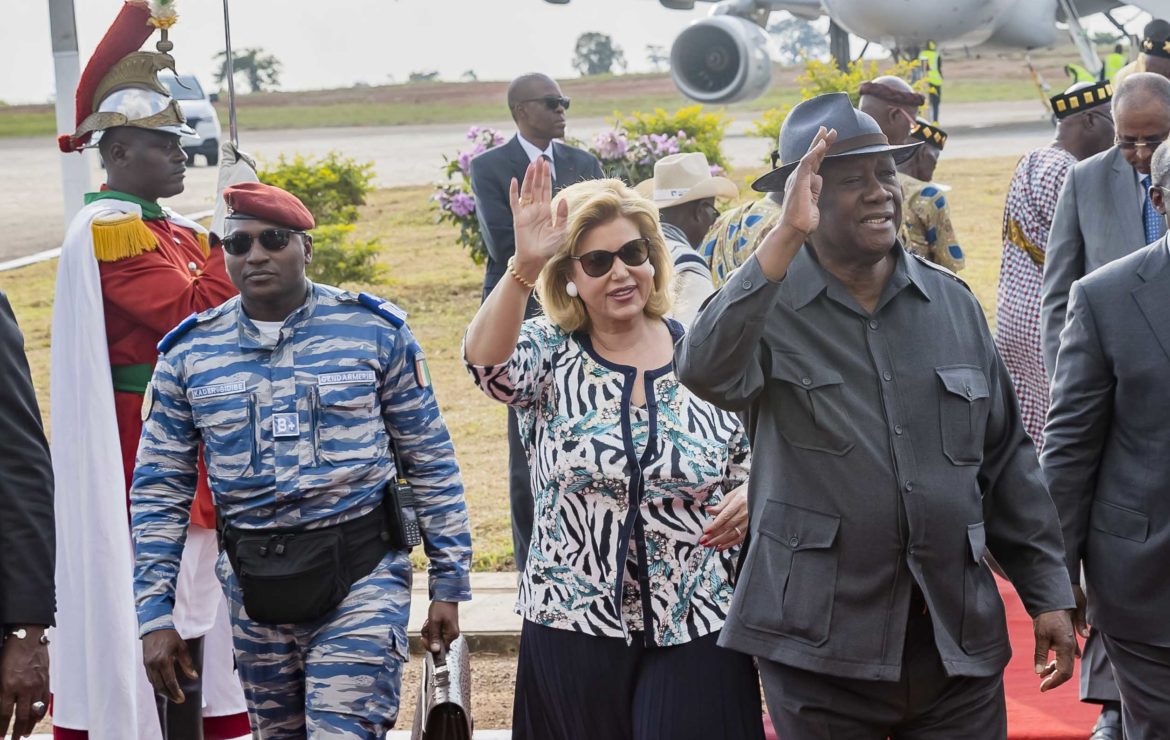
x=121, y=235
x=204, y=243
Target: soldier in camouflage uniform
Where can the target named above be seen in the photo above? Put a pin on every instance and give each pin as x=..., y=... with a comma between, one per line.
x=297, y=391
x=926, y=217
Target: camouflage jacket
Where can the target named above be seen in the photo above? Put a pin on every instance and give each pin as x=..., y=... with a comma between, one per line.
x=296, y=433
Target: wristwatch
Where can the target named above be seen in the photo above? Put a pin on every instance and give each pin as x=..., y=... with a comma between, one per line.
x=20, y=633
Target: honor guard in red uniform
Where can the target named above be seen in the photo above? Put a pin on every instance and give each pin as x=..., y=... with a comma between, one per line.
x=130, y=271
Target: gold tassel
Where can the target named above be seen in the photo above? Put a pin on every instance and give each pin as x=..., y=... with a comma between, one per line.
x=204, y=244
x=120, y=236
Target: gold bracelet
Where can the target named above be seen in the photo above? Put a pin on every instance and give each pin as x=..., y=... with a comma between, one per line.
x=516, y=274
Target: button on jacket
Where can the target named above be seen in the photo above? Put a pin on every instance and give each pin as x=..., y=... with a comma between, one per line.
x=296, y=432
x=888, y=451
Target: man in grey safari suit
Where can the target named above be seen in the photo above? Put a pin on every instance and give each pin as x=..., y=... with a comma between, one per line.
x=538, y=107
x=1103, y=214
x=1107, y=461
x=890, y=458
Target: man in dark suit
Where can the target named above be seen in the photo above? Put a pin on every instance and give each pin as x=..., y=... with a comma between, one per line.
x=1107, y=461
x=538, y=107
x=1104, y=213
x=27, y=549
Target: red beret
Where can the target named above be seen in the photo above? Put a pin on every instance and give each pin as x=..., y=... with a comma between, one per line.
x=267, y=203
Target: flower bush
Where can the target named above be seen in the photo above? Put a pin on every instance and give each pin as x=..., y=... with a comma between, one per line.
x=454, y=200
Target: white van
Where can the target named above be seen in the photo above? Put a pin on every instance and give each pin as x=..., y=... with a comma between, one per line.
x=197, y=107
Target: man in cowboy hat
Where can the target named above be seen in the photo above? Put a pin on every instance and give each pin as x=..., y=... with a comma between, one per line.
x=878, y=399
x=130, y=270
x=926, y=227
x=684, y=190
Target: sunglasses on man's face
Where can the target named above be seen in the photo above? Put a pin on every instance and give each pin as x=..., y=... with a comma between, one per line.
x=552, y=102
x=599, y=262
x=274, y=240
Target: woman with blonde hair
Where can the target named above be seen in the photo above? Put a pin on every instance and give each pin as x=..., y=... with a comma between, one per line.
x=639, y=486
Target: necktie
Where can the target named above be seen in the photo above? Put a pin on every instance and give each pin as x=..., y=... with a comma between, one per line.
x=552, y=168
x=1151, y=219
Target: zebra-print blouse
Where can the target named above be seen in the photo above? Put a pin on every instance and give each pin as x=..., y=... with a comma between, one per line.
x=621, y=492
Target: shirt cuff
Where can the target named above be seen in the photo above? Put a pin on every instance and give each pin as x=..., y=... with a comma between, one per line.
x=450, y=588
x=153, y=619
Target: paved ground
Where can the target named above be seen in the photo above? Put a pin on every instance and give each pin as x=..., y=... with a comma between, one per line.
x=30, y=192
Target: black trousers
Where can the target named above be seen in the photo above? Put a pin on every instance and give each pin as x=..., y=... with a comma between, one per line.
x=1098, y=686
x=1143, y=675
x=519, y=492
x=572, y=686
x=925, y=704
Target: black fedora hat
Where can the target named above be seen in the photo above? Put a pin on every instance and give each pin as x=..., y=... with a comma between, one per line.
x=857, y=134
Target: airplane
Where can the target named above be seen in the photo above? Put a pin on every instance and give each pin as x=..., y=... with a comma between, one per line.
x=724, y=57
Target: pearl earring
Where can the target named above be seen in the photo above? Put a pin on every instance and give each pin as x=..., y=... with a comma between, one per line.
x=571, y=289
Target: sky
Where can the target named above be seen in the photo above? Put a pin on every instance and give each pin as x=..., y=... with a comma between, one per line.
x=336, y=43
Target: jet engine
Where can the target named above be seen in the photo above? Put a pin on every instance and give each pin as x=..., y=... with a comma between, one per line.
x=721, y=59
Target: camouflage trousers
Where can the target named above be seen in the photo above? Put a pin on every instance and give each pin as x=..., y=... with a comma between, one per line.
x=338, y=677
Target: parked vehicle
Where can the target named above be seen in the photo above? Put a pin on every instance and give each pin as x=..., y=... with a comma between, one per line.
x=198, y=107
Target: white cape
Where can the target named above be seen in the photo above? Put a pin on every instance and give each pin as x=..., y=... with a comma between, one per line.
x=98, y=681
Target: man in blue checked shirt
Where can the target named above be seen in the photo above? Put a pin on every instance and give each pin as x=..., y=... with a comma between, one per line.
x=300, y=395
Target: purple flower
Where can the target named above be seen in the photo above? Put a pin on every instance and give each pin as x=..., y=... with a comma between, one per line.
x=462, y=205
x=465, y=162
x=716, y=171
x=473, y=133
x=611, y=145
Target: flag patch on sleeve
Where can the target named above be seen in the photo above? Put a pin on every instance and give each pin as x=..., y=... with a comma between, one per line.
x=422, y=373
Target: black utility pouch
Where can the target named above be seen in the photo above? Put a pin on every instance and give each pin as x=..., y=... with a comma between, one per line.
x=290, y=578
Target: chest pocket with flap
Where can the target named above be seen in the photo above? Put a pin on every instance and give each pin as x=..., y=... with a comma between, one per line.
x=810, y=405
x=348, y=424
x=962, y=407
x=227, y=425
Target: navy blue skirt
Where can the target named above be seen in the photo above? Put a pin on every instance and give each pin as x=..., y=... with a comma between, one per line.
x=573, y=686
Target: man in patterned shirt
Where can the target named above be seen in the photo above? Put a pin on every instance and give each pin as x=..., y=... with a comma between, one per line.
x=926, y=227
x=305, y=399
x=1081, y=132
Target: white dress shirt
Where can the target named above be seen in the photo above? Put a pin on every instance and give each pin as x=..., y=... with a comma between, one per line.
x=534, y=154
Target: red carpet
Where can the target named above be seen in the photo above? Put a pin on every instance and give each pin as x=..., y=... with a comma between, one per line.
x=1055, y=715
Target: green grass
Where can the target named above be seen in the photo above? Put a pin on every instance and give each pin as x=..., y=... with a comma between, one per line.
x=432, y=278
x=259, y=113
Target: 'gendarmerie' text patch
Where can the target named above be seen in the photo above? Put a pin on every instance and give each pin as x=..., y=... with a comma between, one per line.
x=352, y=376
x=220, y=389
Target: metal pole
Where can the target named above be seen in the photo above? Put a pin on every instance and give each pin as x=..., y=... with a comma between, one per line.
x=233, y=131
x=67, y=71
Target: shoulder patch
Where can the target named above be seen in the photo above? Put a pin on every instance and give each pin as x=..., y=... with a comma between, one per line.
x=117, y=236
x=174, y=335
x=935, y=266
x=171, y=338
x=387, y=310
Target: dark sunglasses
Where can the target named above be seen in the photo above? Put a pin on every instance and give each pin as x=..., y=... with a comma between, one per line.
x=273, y=240
x=552, y=102
x=599, y=262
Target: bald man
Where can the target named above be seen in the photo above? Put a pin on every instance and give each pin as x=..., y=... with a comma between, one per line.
x=538, y=107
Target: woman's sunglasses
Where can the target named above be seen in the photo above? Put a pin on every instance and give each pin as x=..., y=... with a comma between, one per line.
x=599, y=262
x=273, y=240
x=552, y=102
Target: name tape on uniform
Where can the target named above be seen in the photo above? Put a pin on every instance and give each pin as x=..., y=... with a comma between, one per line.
x=352, y=376
x=220, y=389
